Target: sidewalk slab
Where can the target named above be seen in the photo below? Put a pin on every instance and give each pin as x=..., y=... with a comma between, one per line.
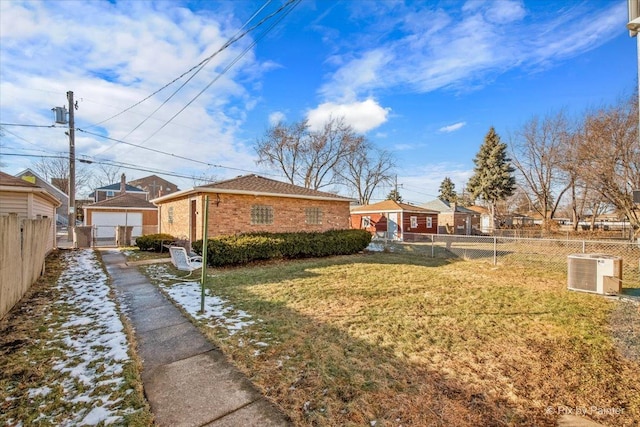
x=179, y=341
x=187, y=381
x=204, y=398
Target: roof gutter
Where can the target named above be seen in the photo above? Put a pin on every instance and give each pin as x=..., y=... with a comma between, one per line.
x=40, y=191
x=197, y=190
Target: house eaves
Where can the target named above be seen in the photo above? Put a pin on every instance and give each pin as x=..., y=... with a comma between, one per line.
x=201, y=190
x=33, y=190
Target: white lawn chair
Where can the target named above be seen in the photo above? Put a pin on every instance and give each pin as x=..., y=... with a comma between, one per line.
x=183, y=261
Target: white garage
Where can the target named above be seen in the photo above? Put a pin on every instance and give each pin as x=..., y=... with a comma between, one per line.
x=105, y=223
x=122, y=210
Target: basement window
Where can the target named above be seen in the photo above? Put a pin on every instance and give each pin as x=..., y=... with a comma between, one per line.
x=313, y=216
x=261, y=214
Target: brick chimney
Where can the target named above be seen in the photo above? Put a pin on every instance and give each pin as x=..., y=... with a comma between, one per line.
x=123, y=184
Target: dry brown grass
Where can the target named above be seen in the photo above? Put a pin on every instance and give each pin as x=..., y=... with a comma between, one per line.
x=406, y=340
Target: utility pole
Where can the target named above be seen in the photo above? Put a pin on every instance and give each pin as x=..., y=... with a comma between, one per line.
x=72, y=166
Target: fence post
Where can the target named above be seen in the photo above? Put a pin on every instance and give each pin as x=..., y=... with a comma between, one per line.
x=433, y=242
x=495, y=250
x=584, y=247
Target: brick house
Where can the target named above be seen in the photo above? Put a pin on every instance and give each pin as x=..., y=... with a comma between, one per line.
x=250, y=203
x=393, y=220
x=112, y=190
x=454, y=219
x=155, y=186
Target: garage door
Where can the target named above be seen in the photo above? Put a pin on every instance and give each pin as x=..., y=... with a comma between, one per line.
x=105, y=223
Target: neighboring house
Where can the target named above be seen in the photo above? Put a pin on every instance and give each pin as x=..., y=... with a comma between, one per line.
x=125, y=209
x=28, y=201
x=62, y=212
x=453, y=219
x=112, y=190
x=485, y=219
x=250, y=203
x=393, y=220
x=155, y=186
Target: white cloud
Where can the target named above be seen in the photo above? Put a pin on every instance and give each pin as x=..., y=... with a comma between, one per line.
x=462, y=48
x=276, y=117
x=362, y=116
x=452, y=128
x=118, y=55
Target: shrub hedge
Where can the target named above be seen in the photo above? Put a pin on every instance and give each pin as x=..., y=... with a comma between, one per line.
x=245, y=248
x=154, y=242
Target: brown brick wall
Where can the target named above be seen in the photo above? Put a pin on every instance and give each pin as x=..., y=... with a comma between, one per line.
x=231, y=214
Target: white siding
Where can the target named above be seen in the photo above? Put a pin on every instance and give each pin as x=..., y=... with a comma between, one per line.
x=13, y=203
x=45, y=209
x=20, y=203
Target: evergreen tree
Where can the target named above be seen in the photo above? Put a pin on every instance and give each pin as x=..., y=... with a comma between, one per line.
x=493, y=178
x=447, y=191
x=394, y=195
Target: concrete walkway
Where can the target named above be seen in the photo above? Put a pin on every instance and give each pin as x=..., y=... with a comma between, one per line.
x=187, y=381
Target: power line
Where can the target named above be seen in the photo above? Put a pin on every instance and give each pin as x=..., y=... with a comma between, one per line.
x=166, y=153
x=27, y=125
x=232, y=63
x=199, y=68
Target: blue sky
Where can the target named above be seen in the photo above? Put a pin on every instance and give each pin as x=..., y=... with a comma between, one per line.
x=424, y=80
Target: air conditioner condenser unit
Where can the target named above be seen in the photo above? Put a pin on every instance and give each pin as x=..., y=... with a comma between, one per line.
x=597, y=273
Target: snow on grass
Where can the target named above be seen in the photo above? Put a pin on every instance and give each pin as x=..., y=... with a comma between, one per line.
x=217, y=311
x=95, y=344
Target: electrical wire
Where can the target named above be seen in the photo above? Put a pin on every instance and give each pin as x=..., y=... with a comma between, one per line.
x=200, y=66
x=27, y=125
x=166, y=153
x=235, y=60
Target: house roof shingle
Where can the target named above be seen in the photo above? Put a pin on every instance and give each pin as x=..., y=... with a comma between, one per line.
x=125, y=200
x=116, y=187
x=258, y=185
x=390, y=206
x=442, y=206
x=13, y=184
x=12, y=181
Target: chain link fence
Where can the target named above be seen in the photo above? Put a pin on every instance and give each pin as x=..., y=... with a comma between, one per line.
x=532, y=252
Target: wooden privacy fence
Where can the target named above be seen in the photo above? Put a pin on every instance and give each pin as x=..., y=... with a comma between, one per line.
x=23, y=248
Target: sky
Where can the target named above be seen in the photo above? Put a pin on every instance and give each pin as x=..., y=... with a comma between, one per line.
x=423, y=80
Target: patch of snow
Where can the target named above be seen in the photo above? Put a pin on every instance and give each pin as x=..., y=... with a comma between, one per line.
x=217, y=311
x=375, y=247
x=96, y=346
x=41, y=391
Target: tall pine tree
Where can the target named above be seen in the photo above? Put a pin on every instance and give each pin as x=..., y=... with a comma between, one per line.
x=493, y=178
x=447, y=191
x=394, y=195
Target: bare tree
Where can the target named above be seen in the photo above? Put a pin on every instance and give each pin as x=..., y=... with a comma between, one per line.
x=56, y=171
x=204, y=179
x=610, y=155
x=538, y=154
x=313, y=159
x=365, y=169
x=105, y=175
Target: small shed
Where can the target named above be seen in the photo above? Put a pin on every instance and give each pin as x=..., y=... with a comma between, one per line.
x=393, y=220
x=28, y=201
